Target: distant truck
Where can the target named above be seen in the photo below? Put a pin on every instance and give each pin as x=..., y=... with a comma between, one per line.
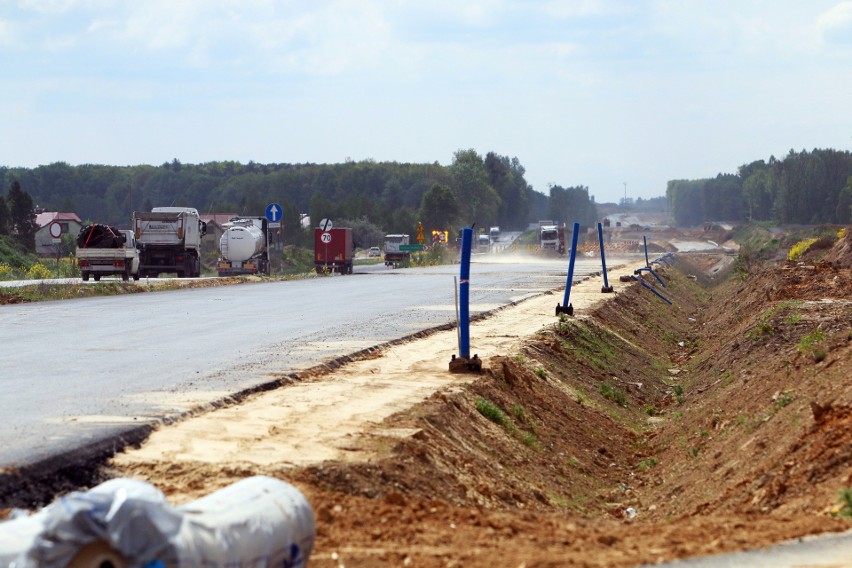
x=494, y=234
x=169, y=240
x=548, y=236
x=105, y=251
x=395, y=254
x=243, y=247
x=333, y=251
x=484, y=243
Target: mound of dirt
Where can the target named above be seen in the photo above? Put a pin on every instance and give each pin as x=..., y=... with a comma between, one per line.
x=841, y=253
x=633, y=433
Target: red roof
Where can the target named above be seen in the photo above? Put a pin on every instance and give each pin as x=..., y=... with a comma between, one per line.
x=218, y=218
x=48, y=217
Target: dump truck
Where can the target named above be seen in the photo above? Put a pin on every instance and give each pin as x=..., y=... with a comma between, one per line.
x=169, y=241
x=549, y=237
x=333, y=251
x=105, y=251
x=243, y=247
x=397, y=254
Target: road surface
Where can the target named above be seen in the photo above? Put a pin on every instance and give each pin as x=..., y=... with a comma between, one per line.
x=79, y=371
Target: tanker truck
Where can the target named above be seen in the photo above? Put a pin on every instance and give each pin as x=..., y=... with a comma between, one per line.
x=243, y=247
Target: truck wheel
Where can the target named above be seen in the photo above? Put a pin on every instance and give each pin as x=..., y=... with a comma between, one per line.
x=85, y=277
x=97, y=277
x=136, y=276
x=125, y=276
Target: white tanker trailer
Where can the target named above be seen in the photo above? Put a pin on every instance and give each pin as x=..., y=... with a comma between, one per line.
x=243, y=247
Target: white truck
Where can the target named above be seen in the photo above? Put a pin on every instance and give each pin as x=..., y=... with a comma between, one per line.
x=548, y=236
x=243, y=247
x=169, y=241
x=397, y=253
x=494, y=233
x=105, y=251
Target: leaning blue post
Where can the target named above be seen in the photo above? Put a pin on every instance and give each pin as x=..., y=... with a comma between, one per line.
x=464, y=293
x=606, y=287
x=464, y=362
x=566, y=307
x=645, y=239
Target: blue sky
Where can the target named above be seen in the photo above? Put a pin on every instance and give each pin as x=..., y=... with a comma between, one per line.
x=599, y=93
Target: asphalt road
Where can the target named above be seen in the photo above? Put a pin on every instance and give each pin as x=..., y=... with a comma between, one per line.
x=78, y=371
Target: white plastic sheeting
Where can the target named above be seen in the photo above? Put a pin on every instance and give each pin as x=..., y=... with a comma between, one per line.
x=256, y=522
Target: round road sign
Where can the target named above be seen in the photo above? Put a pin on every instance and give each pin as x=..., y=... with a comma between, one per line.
x=325, y=237
x=55, y=230
x=325, y=225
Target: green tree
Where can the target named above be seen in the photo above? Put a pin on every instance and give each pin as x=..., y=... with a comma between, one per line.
x=685, y=201
x=843, y=211
x=439, y=209
x=507, y=178
x=22, y=217
x=4, y=217
x=478, y=200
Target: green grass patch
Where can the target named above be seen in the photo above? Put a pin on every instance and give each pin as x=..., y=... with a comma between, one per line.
x=845, y=508
x=613, y=393
x=811, y=340
x=646, y=463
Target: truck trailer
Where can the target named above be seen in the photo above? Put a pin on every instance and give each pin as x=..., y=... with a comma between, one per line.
x=243, y=247
x=333, y=251
x=104, y=251
x=396, y=253
x=169, y=240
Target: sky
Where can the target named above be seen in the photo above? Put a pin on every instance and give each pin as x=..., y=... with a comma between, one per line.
x=619, y=96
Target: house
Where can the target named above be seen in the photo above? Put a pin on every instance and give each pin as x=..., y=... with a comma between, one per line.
x=69, y=223
x=215, y=224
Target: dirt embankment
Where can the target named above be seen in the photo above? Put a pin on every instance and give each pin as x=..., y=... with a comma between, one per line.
x=634, y=432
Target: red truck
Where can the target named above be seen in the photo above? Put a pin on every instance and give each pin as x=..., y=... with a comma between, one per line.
x=333, y=251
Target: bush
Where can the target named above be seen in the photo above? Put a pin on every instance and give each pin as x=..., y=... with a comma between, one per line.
x=38, y=271
x=800, y=248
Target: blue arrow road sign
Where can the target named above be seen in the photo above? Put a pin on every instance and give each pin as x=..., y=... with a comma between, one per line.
x=273, y=212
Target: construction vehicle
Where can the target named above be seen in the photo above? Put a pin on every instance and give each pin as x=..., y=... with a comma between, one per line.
x=483, y=243
x=243, y=247
x=104, y=251
x=397, y=253
x=169, y=241
x=548, y=238
x=333, y=251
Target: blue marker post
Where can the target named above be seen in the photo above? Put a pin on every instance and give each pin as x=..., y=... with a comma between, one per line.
x=464, y=362
x=607, y=289
x=566, y=307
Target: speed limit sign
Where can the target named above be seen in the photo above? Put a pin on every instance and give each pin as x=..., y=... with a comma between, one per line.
x=325, y=237
x=55, y=230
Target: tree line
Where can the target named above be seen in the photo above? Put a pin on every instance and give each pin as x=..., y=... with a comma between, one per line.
x=386, y=196
x=802, y=188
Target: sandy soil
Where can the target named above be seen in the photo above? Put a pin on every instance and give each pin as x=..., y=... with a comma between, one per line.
x=318, y=419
